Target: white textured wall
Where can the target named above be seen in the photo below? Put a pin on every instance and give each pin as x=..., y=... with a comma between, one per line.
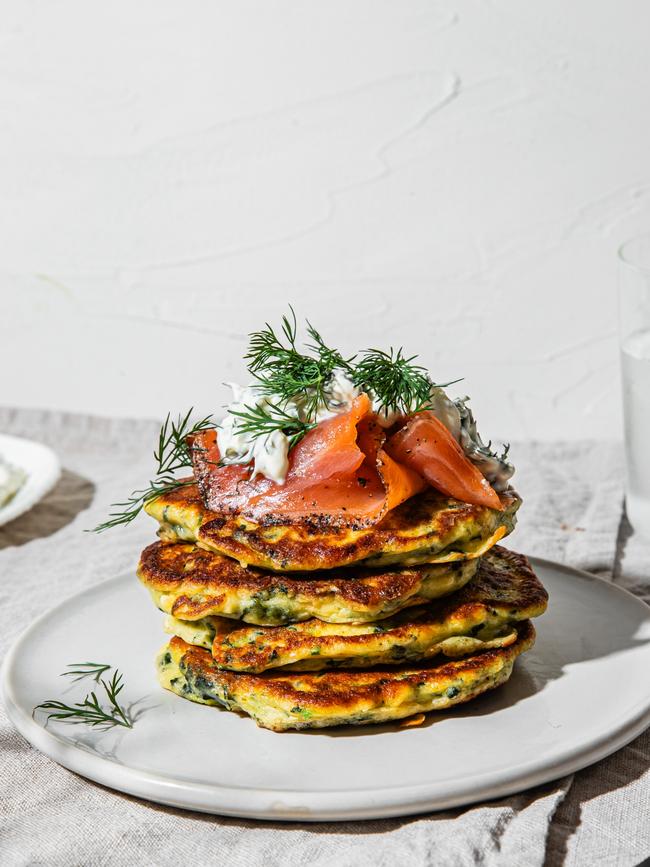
x=453, y=176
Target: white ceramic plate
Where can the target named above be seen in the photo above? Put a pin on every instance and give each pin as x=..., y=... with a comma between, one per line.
x=581, y=693
x=41, y=466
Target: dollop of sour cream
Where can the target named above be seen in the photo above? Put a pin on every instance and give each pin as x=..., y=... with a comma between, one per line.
x=340, y=392
x=270, y=453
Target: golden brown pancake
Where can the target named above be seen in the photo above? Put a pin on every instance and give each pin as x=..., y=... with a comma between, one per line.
x=428, y=528
x=483, y=614
x=304, y=701
x=191, y=583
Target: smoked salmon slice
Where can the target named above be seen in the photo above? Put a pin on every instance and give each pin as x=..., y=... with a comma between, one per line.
x=328, y=450
x=358, y=498
x=398, y=480
x=425, y=445
x=339, y=472
x=345, y=472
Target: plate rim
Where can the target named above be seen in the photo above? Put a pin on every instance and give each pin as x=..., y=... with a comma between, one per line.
x=326, y=805
x=43, y=486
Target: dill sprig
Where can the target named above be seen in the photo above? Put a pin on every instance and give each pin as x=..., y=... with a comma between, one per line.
x=90, y=711
x=329, y=359
x=265, y=420
x=171, y=455
x=396, y=383
x=79, y=670
x=288, y=374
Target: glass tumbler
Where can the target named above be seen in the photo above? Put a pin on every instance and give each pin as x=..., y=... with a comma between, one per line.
x=634, y=330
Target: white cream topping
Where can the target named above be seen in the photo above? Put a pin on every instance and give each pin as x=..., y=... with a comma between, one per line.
x=341, y=391
x=270, y=453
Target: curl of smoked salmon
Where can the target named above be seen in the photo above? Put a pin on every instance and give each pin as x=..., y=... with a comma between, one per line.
x=425, y=445
x=327, y=450
x=339, y=472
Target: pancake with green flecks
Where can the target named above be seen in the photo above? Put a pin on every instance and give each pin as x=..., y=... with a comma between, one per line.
x=284, y=701
x=191, y=583
x=428, y=528
x=483, y=615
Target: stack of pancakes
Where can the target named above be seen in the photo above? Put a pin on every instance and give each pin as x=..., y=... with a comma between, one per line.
x=306, y=625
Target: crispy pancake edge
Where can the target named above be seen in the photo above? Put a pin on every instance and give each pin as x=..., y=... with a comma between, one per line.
x=504, y=592
x=190, y=583
x=427, y=528
x=304, y=701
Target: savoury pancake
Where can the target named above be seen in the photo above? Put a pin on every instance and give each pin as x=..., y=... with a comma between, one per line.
x=316, y=647
x=305, y=701
x=191, y=583
x=483, y=614
x=428, y=528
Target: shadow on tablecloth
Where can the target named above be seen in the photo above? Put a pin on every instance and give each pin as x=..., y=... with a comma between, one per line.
x=71, y=495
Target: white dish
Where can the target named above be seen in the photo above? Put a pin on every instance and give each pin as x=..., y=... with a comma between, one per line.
x=580, y=694
x=41, y=467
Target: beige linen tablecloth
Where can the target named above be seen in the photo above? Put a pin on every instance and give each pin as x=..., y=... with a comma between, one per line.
x=572, y=512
